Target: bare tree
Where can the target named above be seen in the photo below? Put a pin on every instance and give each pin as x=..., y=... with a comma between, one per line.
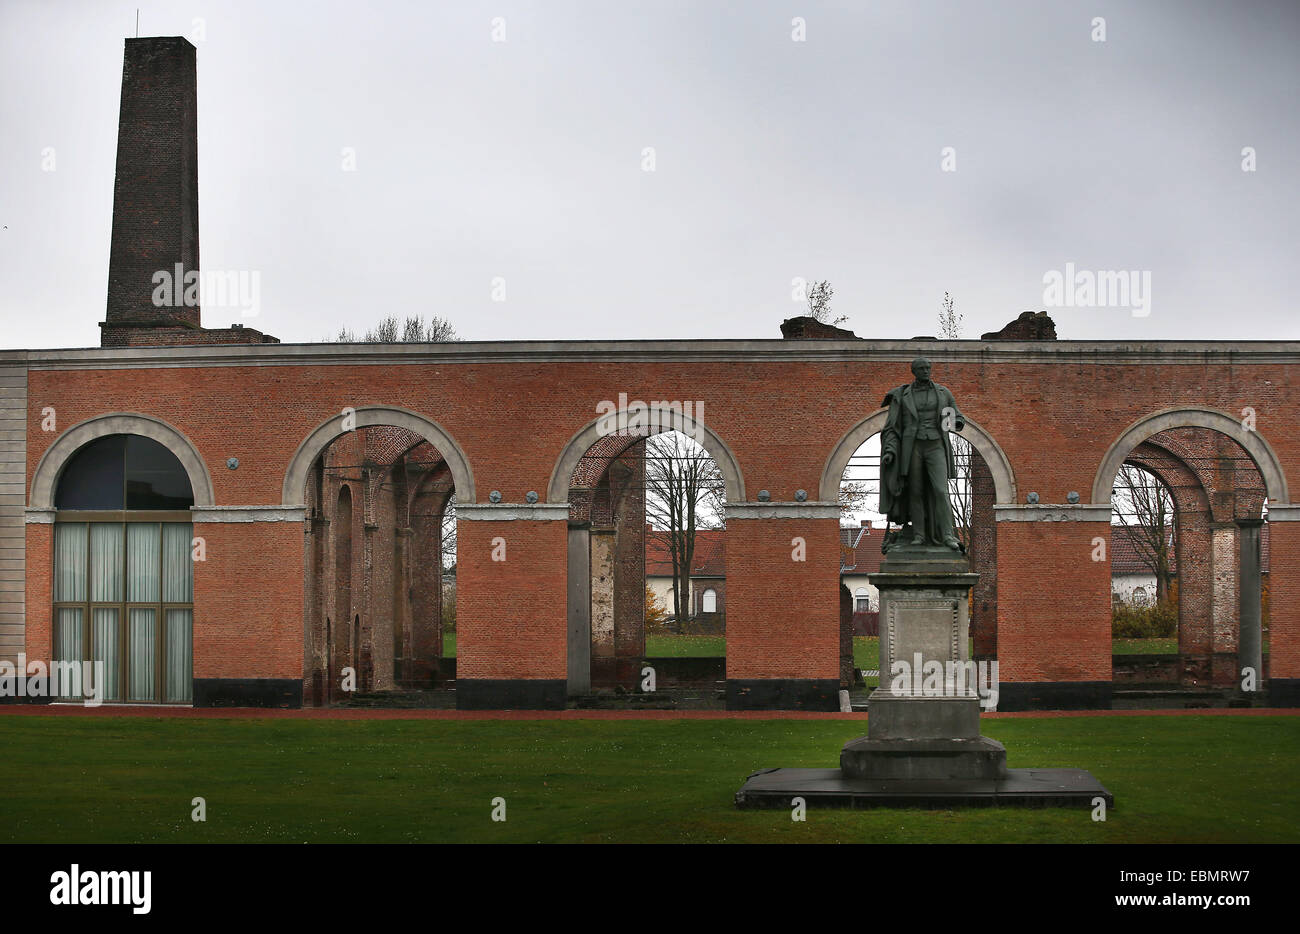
x=684, y=488
x=434, y=331
x=959, y=485
x=959, y=488
x=853, y=493
x=414, y=330
x=819, y=304
x=1145, y=507
x=949, y=319
x=449, y=532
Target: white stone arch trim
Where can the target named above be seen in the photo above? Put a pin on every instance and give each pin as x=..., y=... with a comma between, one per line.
x=1004, y=479
x=50, y=466
x=372, y=416
x=557, y=490
x=1184, y=416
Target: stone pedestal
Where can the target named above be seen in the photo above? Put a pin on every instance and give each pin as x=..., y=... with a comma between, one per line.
x=923, y=722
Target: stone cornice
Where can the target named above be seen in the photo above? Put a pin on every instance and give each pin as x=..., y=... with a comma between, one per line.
x=504, y=512
x=249, y=513
x=808, y=510
x=756, y=351
x=1049, y=512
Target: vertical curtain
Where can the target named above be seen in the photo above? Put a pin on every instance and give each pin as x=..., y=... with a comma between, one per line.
x=106, y=551
x=140, y=654
x=178, y=569
x=106, y=648
x=178, y=587
x=139, y=562
x=69, y=561
x=68, y=637
x=142, y=566
x=178, y=675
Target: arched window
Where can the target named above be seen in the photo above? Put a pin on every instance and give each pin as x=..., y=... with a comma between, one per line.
x=709, y=601
x=123, y=472
x=123, y=572
x=861, y=600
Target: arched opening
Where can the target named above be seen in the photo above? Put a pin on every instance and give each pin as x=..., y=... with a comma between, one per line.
x=1188, y=557
x=123, y=571
x=647, y=567
x=977, y=486
x=380, y=556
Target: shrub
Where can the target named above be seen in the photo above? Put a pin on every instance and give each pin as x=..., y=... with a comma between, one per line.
x=1144, y=622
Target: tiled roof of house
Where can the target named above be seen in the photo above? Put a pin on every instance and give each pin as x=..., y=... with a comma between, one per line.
x=709, y=559
x=860, y=549
x=1125, y=557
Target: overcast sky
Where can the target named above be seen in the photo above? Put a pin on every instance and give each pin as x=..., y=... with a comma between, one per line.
x=523, y=160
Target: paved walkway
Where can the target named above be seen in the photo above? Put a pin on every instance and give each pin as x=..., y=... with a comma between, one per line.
x=334, y=713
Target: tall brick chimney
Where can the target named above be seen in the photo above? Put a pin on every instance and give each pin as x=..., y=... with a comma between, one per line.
x=156, y=192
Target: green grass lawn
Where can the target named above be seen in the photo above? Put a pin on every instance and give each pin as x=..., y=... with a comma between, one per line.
x=685, y=646
x=1144, y=646
x=866, y=649
x=866, y=652
x=81, y=780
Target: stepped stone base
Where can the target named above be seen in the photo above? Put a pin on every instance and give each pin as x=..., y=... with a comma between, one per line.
x=893, y=717
x=975, y=759
x=830, y=788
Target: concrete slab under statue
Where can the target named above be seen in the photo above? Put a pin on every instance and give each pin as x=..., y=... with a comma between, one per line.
x=923, y=745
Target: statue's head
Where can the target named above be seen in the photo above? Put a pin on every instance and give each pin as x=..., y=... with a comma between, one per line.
x=921, y=368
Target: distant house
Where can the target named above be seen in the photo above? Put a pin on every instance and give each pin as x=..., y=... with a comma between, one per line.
x=707, y=599
x=1131, y=579
x=859, y=556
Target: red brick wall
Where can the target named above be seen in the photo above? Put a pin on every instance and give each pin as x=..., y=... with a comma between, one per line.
x=783, y=618
x=781, y=418
x=1284, y=601
x=248, y=601
x=115, y=336
x=511, y=617
x=1053, y=602
x=1054, y=421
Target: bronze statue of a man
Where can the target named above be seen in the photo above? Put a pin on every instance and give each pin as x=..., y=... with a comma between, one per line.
x=917, y=462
